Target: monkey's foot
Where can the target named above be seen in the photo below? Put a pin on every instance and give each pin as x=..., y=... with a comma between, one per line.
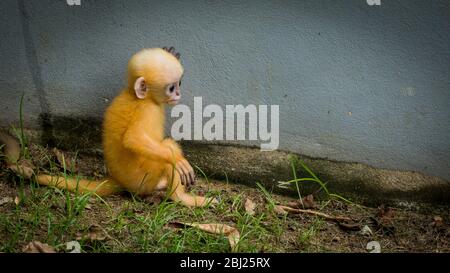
x=194, y=200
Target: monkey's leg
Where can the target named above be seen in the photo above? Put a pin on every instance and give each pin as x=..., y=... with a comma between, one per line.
x=100, y=187
x=177, y=192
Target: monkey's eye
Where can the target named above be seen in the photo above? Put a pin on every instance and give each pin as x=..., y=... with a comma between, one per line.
x=171, y=88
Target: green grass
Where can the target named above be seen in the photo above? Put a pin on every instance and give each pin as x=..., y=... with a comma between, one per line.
x=129, y=224
x=309, y=233
x=295, y=161
x=56, y=217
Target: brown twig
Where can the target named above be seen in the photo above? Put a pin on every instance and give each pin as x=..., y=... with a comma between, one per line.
x=313, y=212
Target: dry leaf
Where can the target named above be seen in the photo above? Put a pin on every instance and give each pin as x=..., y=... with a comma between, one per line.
x=233, y=238
x=366, y=231
x=385, y=214
x=95, y=233
x=349, y=226
x=280, y=209
x=231, y=232
x=17, y=200
x=307, y=202
x=250, y=207
x=38, y=247
x=437, y=221
x=385, y=219
x=285, y=209
x=65, y=160
x=5, y=200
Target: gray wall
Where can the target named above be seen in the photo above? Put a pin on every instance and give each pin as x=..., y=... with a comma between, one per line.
x=319, y=60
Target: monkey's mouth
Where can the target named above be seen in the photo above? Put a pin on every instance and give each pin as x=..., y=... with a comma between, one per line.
x=173, y=102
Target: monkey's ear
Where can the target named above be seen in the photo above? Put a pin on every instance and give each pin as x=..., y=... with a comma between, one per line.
x=140, y=88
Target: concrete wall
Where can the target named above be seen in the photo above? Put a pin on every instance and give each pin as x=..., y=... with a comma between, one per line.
x=354, y=82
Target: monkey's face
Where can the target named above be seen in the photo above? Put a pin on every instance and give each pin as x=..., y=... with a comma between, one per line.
x=173, y=93
x=156, y=74
x=163, y=93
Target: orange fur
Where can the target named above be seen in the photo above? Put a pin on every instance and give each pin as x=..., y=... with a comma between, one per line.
x=101, y=188
x=133, y=129
x=138, y=157
x=136, y=153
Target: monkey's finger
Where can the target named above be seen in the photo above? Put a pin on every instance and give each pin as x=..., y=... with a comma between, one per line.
x=181, y=167
x=189, y=171
x=172, y=49
x=187, y=165
x=184, y=175
x=189, y=178
x=181, y=173
x=178, y=55
x=193, y=172
x=194, y=177
x=165, y=48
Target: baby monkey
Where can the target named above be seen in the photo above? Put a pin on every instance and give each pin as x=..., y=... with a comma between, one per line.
x=138, y=157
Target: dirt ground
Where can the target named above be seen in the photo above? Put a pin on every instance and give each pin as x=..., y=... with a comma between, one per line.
x=127, y=224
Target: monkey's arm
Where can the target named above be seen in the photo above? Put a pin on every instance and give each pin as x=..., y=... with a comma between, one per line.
x=174, y=147
x=182, y=165
x=167, y=151
x=139, y=142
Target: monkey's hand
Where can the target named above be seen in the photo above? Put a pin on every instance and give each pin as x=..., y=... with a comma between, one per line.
x=182, y=166
x=186, y=172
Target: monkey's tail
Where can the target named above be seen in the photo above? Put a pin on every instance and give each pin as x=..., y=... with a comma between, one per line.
x=24, y=168
x=82, y=186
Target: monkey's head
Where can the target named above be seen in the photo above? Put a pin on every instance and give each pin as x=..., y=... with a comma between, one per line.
x=156, y=74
